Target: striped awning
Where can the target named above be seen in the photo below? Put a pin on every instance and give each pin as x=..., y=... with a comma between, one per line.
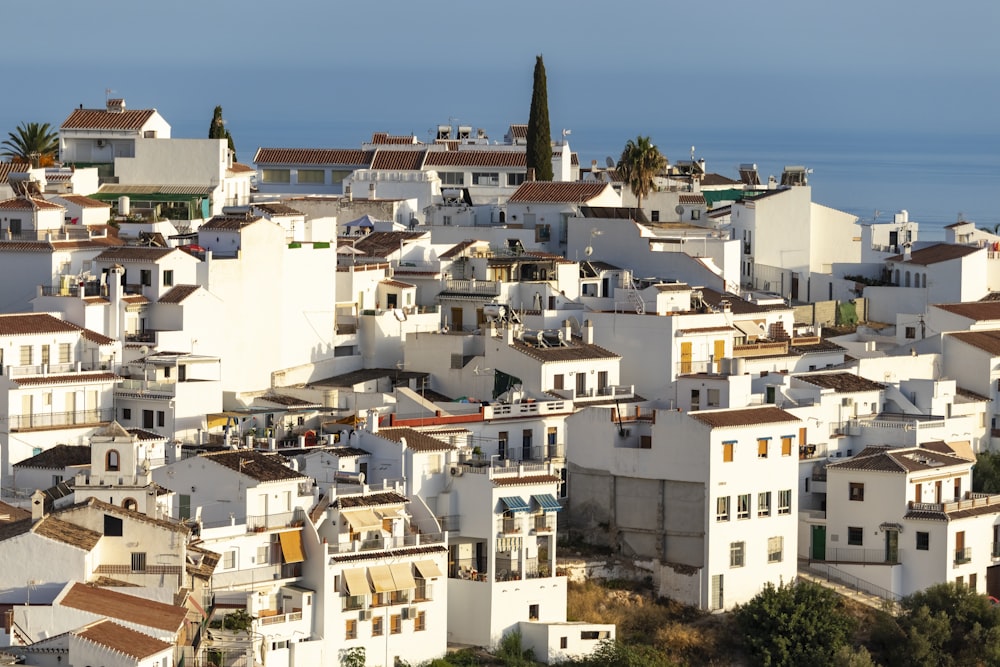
x=515, y=504
x=357, y=582
x=291, y=546
x=402, y=576
x=363, y=519
x=428, y=569
x=381, y=578
x=547, y=502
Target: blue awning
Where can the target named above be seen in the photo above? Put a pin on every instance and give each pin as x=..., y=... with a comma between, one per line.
x=547, y=502
x=515, y=504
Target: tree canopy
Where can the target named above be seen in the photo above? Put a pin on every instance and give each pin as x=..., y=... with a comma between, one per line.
x=218, y=130
x=986, y=474
x=36, y=143
x=797, y=624
x=539, y=140
x=638, y=166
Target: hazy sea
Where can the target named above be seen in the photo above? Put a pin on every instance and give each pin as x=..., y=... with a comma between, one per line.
x=936, y=177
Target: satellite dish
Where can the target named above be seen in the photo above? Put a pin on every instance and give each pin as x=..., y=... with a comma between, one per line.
x=610, y=162
x=679, y=209
x=588, y=251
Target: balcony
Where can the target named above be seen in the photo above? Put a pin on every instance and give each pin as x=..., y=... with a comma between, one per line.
x=53, y=420
x=545, y=523
x=153, y=389
x=509, y=526
x=963, y=556
x=861, y=555
x=473, y=287
x=256, y=575
x=385, y=543
x=260, y=523
x=280, y=618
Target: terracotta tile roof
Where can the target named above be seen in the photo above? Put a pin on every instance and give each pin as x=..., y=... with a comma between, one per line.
x=347, y=452
x=593, y=268
x=10, y=514
x=68, y=533
x=141, y=611
x=326, y=156
x=975, y=310
x=135, y=299
x=277, y=209
x=475, y=158
x=256, y=465
x=95, y=337
x=457, y=249
x=289, y=401
x=527, y=479
x=15, y=527
x=26, y=246
x=72, y=378
x=712, y=179
x=116, y=189
x=395, y=283
x=240, y=168
x=737, y=305
x=744, y=417
x=58, y=457
x=143, y=435
x=910, y=459
x=575, y=351
x=85, y=202
x=26, y=324
x=229, y=223
x=704, y=330
x=385, y=138
x=123, y=640
x=178, y=293
x=691, y=199
x=125, y=514
x=28, y=204
x=376, y=554
x=841, y=382
x=415, y=440
x=556, y=192
x=370, y=500
x=102, y=119
x=407, y=160
x=987, y=340
x=8, y=168
x=133, y=253
x=518, y=131
x=939, y=252
x=971, y=396
x=381, y=244
x=202, y=562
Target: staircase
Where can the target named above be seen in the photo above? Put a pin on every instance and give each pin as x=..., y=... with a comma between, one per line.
x=848, y=585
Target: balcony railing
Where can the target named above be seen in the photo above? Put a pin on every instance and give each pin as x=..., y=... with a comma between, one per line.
x=60, y=419
x=963, y=556
x=149, y=387
x=861, y=555
x=281, y=618
x=545, y=523
x=508, y=525
x=262, y=522
x=478, y=287
x=148, y=569
x=385, y=543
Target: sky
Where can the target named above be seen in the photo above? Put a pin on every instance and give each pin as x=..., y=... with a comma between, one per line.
x=311, y=73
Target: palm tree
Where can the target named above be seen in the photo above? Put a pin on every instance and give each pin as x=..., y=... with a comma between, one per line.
x=638, y=166
x=36, y=143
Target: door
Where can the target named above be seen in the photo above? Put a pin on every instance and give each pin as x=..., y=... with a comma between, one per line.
x=695, y=399
x=456, y=319
x=891, y=546
x=993, y=581
x=919, y=494
x=686, y=357
x=718, y=353
x=71, y=407
x=819, y=542
x=718, y=594
x=526, y=444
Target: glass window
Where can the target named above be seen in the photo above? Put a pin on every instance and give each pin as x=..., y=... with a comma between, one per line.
x=855, y=536
x=515, y=179
x=377, y=626
x=168, y=278
x=785, y=501
x=396, y=624
x=312, y=176
x=276, y=175
x=736, y=554
x=485, y=178
x=452, y=177
x=923, y=541
x=762, y=448
x=26, y=355
x=764, y=503
x=857, y=491
x=775, y=547
x=351, y=629
x=722, y=508
x=64, y=350
x=743, y=506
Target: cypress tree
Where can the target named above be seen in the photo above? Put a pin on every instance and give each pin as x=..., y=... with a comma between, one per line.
x=218, y=130
x=539, y=148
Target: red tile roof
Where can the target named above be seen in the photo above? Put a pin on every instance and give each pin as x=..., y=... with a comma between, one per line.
x=8, y=168
x=554, y=192
x=102, y=119
x=28, y=204
x=415, y=440
x=841, y=382
x=123, y=640
x=229, y=223
x=257, y=465
x=475, y=158
x=240, y=168
x=976, y=310
x=71, y=378
x=333, y=156
x=385, y=138
x=528, y=479
x=178, y=293
x=406, y=160
x=23, y=324
x=141, y=611
x=744, y=417
x=988, y=340
x=85, y=202
x=939, y=252
x=134, y=254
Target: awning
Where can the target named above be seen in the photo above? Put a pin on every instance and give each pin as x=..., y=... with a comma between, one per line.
x=291, y=546
x=362, y=519
x=515, y=504
x=402, y=575
x=428, y=569
x=381, y=578
x=220, y=419
x=749, y=328
x=357, y=582
x=547, y=502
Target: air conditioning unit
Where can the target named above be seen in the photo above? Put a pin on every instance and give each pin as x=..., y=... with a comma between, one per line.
x=456, y=471
x=365, y=615
x=101, y=143
x=409, y=613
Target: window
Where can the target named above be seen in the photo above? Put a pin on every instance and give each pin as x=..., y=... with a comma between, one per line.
x=168, y=278
x=112, y=461
x=557, y=381
x=762, y=448
x=736, y=554
x=764, y=503
x=64, y=350
x=563, y=642
x=452, y=177
x=857, y=491
x=855, y=536
x=532, y=612
x=145, y=277
x=722, y=508
x=130, y=504
x=127, y=414
x=420, y=622
x=113, y=526
x=502, y=444
x=377, y=626
x=485, y=178
x=263, y=555
x=276, y=175
x=785, y=501
x=786, y=445
x=514, y=180
x=160, y=418
x=581, y=383
x=923, y=541
x=138, y=561
x=645, y=442
x=911, y=332
x=351, y=629
x=743, y=506
x=775, y=547
x=147, y=419
x=229, y=560
x=696, y=214
x=654, y=216
x=26, y=355
x=312, y=176
x=713, y=398
x=395, y=624
x=727, y=451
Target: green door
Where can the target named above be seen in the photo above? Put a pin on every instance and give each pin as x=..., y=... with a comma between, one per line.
x=819, y=542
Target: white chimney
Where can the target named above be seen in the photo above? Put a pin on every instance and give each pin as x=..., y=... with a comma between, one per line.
x=588, y=332
x=37, y=505
x=567, y=331
x=371, y=190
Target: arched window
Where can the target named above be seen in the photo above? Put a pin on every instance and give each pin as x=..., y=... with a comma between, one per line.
x=907, y=278
x=112, y=461
x=130, y=504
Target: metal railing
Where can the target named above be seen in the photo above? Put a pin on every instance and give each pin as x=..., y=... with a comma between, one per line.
x=385, y=543
x=832, y=574
x=281, y=618
x=261, y=522
x=509, y=525
x=963, y=556
x=148, y=569
x=861, y=555
x=60, y=419
x=544, y=523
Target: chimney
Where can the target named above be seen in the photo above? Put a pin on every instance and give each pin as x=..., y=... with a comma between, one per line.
x=37, y=506
x=508, y=333
x=531, y=174
x=588, y=332
x=371, y=190
x=567, y=331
